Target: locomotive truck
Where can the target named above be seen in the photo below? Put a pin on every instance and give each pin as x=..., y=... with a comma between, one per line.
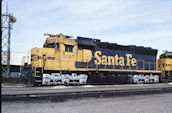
x=65, y=60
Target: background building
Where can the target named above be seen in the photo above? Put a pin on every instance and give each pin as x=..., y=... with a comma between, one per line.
x=17, y=59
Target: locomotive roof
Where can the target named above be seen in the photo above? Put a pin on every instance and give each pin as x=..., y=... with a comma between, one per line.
x=91, y=43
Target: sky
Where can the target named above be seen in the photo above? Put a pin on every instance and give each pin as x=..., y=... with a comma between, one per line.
x=126, y=22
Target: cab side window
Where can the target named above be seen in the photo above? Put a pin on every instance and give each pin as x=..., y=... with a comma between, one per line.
x=57, y=46
x=68, y=48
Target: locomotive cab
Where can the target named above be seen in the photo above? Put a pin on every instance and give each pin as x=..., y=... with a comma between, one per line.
x=57, y=49
x=59, y=53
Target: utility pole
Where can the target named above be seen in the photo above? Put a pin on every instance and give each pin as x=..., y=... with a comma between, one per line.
x=1, y=38
x=7, y=21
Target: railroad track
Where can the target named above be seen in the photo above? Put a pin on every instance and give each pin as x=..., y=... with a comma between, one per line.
x=62, y=93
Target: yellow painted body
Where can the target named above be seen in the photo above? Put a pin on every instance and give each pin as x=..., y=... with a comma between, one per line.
x=55, y=59
x=59, y=59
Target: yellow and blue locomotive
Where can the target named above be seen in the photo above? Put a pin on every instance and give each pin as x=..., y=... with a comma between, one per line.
x=64, y=60
x=165, y=65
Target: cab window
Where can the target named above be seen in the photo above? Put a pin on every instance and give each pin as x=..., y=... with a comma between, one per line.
x=50, y=46
x=68, y=48
x=57, y=46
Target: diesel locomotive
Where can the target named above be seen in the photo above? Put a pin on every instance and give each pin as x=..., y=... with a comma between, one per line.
x=165, y=65
x=65, y=60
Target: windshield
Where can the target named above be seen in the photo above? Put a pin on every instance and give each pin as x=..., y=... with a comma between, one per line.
x=52, y=46
x=163, y=56
x=49, y=46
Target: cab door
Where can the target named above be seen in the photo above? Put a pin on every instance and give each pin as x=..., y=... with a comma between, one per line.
x=69, y=57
